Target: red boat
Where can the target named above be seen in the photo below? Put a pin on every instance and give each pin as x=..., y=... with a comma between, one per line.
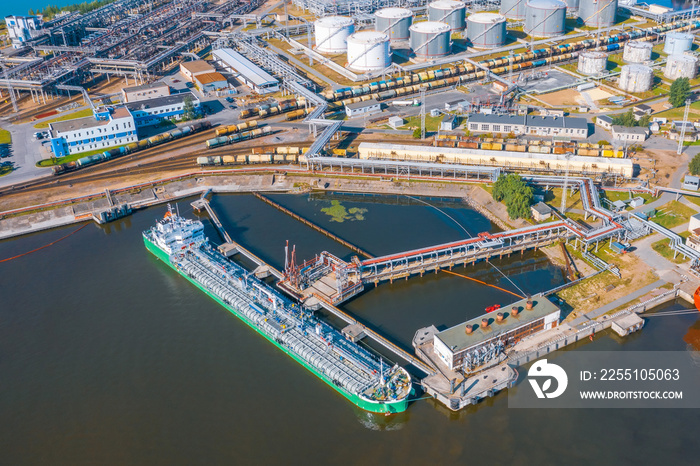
x=496, y=307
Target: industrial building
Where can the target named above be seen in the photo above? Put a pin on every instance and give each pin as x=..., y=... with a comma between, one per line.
x=190, y=69
x=569, y=127
x=153, y=111
x=457, y=346
x=604, y=122
x=629, y=134
x=368, y=107
x=106, y=128
x=541, y=212
x=145, y=92
x=210, y=82
x=22, y=29
x=250, y=74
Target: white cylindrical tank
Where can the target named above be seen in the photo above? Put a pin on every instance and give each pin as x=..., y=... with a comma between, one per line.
x=591, y=63
x=545, y=18
x=513, y=9
x=571, y=5
x=597, y=13
x=332, y=33
x=681, y=66
x=637, y=51
x=394, y=22
x=677, y=43
x=450, y=12
x=430, y=39
x=486, y=30
x=636, y=78
x=368, y=51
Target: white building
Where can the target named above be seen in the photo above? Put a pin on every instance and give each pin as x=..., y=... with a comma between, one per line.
x=23, y=28
x=190, y=69
x=630, y=133
x=210, y=82
x=461, y=344
x=247, y=72
x=604, y=122
x=153, y=111
x=106, y=128
x=566, y=127
x=368, y=107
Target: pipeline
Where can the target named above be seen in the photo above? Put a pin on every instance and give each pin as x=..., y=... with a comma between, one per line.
x=44, y=246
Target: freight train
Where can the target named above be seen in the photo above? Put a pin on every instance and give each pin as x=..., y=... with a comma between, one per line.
x=456, y=74
x=224, y=130
x=131, y=148
x=276, y=155
x=268, y=110
x=237, y=137
x=537, y=147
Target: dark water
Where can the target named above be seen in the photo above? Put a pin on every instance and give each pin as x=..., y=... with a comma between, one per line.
x=107, y=356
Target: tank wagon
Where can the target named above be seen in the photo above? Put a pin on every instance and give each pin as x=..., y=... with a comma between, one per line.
x=131, y=148
x=265, y=155
x=238, y=137
x=268, y=110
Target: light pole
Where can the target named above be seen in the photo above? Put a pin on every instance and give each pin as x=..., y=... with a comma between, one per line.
x=566, y=183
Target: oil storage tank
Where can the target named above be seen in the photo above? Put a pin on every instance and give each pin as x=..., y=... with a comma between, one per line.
x=394, y=22
x=571, y=5
x=681, y=66
x=591, y=63
x=513, y=9
x=636, y=78
x=486, y=30
x=597, y=13
x=637, y=51
x=332, y=33
x=430, y=39
x=368, y=51
x=545, y=18
x=677, y=42
x=450, y=12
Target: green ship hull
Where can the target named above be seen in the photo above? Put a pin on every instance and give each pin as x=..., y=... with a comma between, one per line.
x=375, y=407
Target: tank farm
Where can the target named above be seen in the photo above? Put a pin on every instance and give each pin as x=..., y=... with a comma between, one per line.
x=457, y=74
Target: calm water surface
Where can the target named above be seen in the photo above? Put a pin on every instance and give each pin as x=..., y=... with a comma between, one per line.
x=107, y=356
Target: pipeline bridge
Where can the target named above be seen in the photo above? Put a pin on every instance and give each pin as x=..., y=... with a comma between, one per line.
x=327, y=278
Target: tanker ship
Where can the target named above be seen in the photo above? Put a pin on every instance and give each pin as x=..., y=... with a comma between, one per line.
x=365, y=380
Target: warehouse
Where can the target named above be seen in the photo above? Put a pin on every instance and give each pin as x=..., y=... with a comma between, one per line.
x=468, y=341
x=250, y=74
x=531, y=125
x=190, y=69
x=153, y=111
x=106, y=128
x=210, y=82
x=509, y=160
x=145, y=92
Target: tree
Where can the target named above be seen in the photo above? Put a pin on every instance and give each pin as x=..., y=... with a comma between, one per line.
x=31, y=12
x=417, y=133
x=625, y=119
x=517, y=195
x=694, y=166
x=644, y=121
x=188, y=109
x=603, y=142
x=680, y=91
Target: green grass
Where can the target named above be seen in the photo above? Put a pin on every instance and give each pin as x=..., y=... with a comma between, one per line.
x=673, y=214
x=662, y=247
x=70, y=116
x=693, y=199
x=677, y=113
x=431, y=123
x=73, y=157
x=5, y=136
x=613, y=196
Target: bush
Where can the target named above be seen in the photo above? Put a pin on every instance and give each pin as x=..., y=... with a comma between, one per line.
x=694, y=166
x=680, y=91
x=417, y=133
